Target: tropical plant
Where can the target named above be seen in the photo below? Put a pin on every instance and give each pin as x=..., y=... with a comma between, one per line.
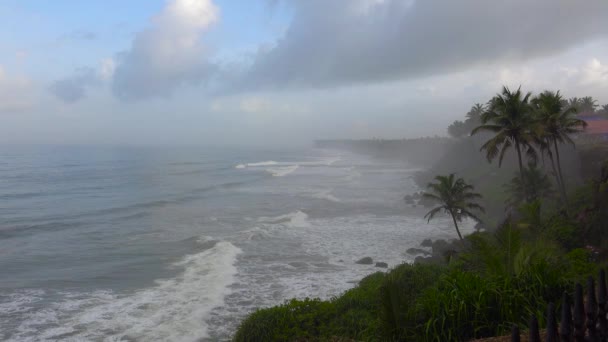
x=458, y=129
x=455, y=197
x=587, y=104
x=474, y=115
x=555, y=124
x=537, y=185
x=604, y=110
x=509, y=116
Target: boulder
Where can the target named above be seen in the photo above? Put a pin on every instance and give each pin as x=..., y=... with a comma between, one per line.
x=427, y=243
x=365, y=261
x=382, y=264
x=417, y=251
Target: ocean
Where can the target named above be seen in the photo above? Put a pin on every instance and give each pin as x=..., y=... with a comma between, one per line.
x=180, y=244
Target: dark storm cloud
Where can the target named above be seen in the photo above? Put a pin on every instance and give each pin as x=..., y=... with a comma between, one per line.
x=359, y=41
x=73, y=88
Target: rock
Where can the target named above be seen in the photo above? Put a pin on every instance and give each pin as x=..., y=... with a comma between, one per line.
x=417, y=251
x=365, y=261
x=382, y=264
x=427, y=243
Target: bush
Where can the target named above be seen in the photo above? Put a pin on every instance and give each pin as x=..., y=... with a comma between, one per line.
x=352, y=315
x=398, y=296
x=302, y=318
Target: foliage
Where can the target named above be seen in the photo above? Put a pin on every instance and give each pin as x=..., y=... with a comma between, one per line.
x=586, y=104
x=536, y=183
x=303, y=318
x=555, y=122
x=509, y=118
x=398, y=296
x=458, y=129
x=352, y=315
x=455, y=197
x=501, y=281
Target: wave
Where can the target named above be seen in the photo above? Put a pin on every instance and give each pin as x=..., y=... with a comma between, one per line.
x=326, y=195
x=321, y=162
x=265, y=163
x=282, y=171
x=296, y=219
x=175, y=309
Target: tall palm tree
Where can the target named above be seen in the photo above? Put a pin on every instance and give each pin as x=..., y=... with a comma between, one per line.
x=547, y=107
x=555, y=124
x=455, y=197
x=509, y=116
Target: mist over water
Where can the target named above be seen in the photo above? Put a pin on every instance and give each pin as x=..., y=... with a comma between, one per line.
x=180, y=244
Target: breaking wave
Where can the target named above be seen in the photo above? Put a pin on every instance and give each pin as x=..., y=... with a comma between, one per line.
x=175, y=309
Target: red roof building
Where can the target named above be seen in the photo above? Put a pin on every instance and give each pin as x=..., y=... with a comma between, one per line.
x=597, y=127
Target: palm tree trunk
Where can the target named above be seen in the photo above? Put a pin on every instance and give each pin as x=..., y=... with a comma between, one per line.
x=521, y=171
x=456, y=225
x=559, y=170
x=556, y=175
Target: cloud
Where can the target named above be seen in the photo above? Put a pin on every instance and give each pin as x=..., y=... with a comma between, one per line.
x=167, y=54
x=341, y=42
x=14, y=93
x=106, y=69
x=73, y=88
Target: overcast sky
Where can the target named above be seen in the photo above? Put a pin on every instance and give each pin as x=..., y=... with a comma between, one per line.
x=281, y=72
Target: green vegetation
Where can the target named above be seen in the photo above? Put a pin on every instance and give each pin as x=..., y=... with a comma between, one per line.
x=546, y=241
x=456, y=198
x=509, y=118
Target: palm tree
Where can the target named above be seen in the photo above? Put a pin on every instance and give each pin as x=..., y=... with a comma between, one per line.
x=474, y=115
x=509, y=116
x=588, y=104
x=537, y=184
x=555, y=124
x=548, y=106
x=455, y=197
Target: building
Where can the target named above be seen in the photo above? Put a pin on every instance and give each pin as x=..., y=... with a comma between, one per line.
x=597, y=126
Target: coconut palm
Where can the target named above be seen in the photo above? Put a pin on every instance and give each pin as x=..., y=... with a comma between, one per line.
x=474, y=115
x=455, y=197
x=587, y=104
x=537, y=184
x=555, y=124
x=548, y=106
x=509, y=116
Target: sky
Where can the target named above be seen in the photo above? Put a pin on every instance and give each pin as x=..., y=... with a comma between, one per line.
x=281, y=72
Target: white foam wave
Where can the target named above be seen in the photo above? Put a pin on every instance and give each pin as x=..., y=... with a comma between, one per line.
x=321, y=162
x=174, y=310
x=326, y=195
x=282, y=171
x=259, y=164
x=296, y=219
x=255, y=233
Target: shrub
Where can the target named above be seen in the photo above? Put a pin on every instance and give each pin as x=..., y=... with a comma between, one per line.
x=398, y=296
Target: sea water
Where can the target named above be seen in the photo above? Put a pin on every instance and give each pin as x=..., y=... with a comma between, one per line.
x=180, y=244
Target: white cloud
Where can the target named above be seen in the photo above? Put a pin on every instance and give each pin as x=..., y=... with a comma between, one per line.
x=594, y=73
x=169, y=53
x=107, y=66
